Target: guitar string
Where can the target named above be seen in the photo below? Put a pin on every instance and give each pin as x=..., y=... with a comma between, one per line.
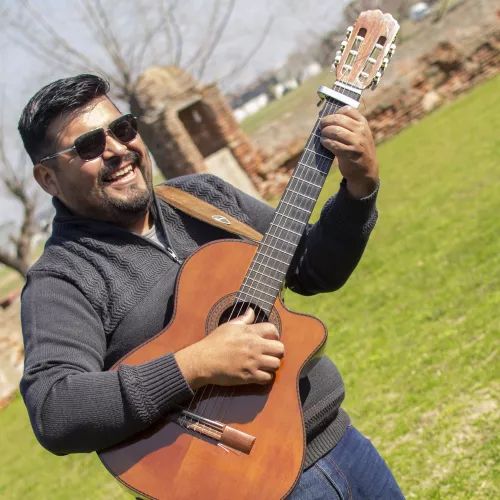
x=317, y=153
x=269, y=243
x=292, y=202
x=319, y=164
x=310, y=153
x=288, y=211
x=343, y=78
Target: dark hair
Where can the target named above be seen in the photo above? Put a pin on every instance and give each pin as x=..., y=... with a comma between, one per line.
x=68, y=95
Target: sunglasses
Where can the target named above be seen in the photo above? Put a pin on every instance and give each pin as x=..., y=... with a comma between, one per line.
x=91, y=145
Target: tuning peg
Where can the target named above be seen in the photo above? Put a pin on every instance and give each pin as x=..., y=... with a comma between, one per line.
x=336, y=62
x=384, y=64
x=391, y=51
x=343, y=45
x=349, y=31
x=376, y=80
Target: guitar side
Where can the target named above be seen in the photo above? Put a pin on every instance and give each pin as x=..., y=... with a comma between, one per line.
x=170, y=462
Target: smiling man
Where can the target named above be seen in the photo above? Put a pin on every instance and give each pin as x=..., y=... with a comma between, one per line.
x=105, y=284
x=118, y=187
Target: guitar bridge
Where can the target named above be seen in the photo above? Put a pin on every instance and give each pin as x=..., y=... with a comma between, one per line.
x=224, y=434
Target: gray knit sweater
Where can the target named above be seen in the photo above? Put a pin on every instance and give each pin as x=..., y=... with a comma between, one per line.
x=99, y=290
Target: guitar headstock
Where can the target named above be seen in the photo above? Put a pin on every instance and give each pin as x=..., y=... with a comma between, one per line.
x=367, y=50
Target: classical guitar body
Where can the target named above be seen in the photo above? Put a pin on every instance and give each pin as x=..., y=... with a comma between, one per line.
x=262, y=460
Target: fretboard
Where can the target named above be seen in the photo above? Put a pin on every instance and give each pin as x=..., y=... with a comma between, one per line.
x=267, y=272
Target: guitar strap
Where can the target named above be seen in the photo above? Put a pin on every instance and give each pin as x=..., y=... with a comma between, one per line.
x=205, y=212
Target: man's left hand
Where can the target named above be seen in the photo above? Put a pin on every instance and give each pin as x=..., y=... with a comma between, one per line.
x=348, y=136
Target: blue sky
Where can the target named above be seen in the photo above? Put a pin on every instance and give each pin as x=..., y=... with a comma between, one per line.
x=296, y=23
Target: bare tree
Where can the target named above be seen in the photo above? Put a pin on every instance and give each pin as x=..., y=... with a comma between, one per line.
x=155, y=37
x=15, y=178
x=124, y=39
x=398, y=8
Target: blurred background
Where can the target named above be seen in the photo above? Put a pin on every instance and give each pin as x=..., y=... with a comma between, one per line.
x=229, y=87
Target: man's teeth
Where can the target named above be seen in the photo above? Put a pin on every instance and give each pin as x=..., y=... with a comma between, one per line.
x=121, y=172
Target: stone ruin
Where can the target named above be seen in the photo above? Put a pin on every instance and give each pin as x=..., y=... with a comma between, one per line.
x=190, y=128
x=437, y=76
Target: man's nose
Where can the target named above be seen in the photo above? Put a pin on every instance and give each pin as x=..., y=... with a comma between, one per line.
x=113, y=147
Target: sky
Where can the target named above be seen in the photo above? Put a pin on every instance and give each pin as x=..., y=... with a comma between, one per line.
x=296, y=23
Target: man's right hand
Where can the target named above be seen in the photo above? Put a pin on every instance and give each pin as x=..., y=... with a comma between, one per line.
x=235, y=353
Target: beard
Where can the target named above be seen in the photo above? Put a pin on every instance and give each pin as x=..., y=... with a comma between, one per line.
x=126, y=211
x=121, y=210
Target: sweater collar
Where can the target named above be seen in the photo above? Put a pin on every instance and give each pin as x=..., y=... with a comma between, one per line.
x=65, y=219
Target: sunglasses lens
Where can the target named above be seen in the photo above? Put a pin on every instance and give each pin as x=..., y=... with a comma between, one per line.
x=124, y=128
x=91, y=145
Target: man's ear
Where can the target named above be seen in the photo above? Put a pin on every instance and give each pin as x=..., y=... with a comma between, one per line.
x=46, y=177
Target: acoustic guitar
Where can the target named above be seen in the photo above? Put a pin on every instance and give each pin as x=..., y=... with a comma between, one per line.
x=248, y=442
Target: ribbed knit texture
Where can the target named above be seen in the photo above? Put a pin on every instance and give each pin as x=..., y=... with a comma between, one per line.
x=99, y=291
x=151, y=391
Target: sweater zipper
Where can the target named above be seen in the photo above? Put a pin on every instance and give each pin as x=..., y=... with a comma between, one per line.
x=173, y=255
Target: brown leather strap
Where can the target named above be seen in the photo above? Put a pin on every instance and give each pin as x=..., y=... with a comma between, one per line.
x=202, y=210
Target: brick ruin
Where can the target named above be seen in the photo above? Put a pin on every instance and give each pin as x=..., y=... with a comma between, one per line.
x=437, y=77
x=190, y=128
x=445, y=73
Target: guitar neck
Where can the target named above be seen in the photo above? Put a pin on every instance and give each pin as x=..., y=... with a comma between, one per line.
x=269, y=267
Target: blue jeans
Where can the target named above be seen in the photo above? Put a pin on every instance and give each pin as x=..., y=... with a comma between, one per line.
x=353, y=470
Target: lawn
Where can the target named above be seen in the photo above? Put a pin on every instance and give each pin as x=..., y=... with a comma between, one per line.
x=288, y=104
x=415, y=332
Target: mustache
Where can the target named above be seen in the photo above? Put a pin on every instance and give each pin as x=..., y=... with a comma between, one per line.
x=132, y=157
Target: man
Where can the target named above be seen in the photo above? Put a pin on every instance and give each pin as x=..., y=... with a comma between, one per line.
x=105, y=284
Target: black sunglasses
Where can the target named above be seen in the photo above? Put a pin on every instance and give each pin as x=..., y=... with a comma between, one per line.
x=92, y=144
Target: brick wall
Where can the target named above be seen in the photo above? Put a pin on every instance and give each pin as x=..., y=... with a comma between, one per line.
x=237, y=141
x=164, y=92
x=437, y=77
x=445, y=73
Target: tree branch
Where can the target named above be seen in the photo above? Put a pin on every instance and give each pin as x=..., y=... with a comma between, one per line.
x=11, y=261
x=218, y=35
x=240, y=67
x=15, y=181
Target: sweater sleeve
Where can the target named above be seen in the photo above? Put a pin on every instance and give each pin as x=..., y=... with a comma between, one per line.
x=73, y=405
x=330, y=249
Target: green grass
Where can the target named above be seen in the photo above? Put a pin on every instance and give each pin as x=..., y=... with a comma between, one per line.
x=9, y=282
x=415, y=332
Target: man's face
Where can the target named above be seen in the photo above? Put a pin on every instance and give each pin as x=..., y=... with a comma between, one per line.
x=93, y=188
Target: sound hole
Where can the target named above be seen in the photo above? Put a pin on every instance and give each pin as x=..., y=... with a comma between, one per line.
x=239, y=309
x=225, y=309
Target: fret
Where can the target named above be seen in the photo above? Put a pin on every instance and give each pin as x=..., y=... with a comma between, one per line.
x=270, y=257
x=300, y=194
x=313, y=139
x=255, y=263
x=308, y=166
x=257, y=290
x=278, y=249
x=318, y=154
x=260, y=282
x=270, y=277
x=288, y=217
x=282, y=239
x=286, y=229
x=240, y=299
x=295, y=206
x=309, y=182
x=257, y=284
